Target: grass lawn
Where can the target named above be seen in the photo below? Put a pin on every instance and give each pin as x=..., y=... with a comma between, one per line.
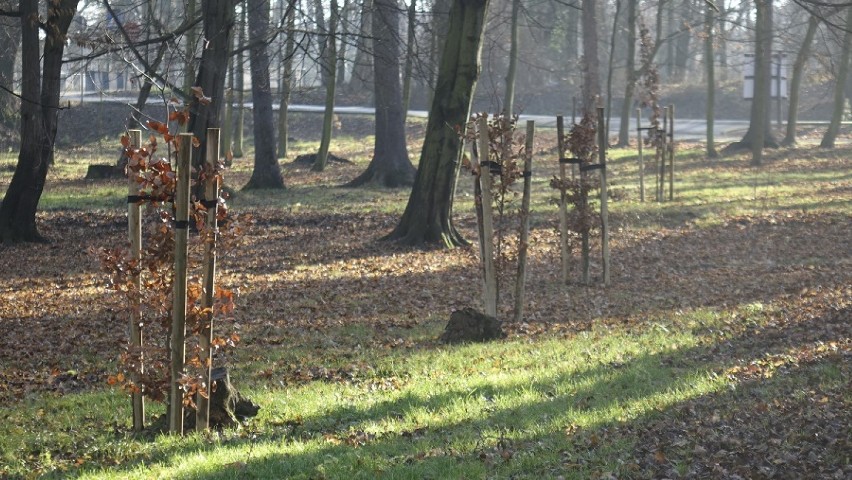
x=722, y=349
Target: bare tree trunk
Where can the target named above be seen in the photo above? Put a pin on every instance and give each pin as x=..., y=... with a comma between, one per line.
x=630, y=77
x=839, y=83
x=40, y=88
x=287, y=82
x=611, y=69
x=410, y=54
x=762, y=79
x=363, y=64
x=709, y=63
x=591, y=65
x=344, y=38
x=509, y=98
x=10, y=37
x=390, y=166
x=428, y=215
x=240, y=70
x=796, y=81
x=330, y=69
x=266, y=172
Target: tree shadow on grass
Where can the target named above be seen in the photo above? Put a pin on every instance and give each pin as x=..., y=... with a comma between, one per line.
x=782, y=418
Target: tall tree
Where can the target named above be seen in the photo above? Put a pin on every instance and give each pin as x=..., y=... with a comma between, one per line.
x=40, y=86
x=428, y=214
x=266, y=172
x=512, y=73
x=709, y=65
x=410, y=54
x=630, y=77
x=796, y=80
x=329, y=68
x=218, y=21
x=839, y=83
x=240, y=74
x=10, y=38
x=390, y=166
x=362, y=66
x=591, y=64
x=287, y=81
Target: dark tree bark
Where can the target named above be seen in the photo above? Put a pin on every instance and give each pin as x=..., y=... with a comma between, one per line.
x=591, y=64
x=286, y=81
x=239, y=80
x=630, y=77
x=428, y=215
x=839, y=83
x=709, y=65
x=390, y=166
x=10, y=37
x=41, y=82
x=362, y=67
x=329, y=69
x=796, y=81
x=759, y=134
x=266, y=172
x=218, y=20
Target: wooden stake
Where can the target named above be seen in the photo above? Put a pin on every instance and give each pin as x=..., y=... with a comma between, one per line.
x=604, y=196
x=178, y=346
x=563, y=200
x=520, y=283
x=211, y=196
x=134, y=226
x=661, y=171
x=490, y=292
x=671, y=151
x=641, y=158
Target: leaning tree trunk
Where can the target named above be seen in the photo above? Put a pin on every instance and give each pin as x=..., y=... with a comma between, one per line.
x=218, y=17
x=796, y=81
x=40, y=86
x=390, y=166
x=839, y=83
x=428, y=215
x=266, y=172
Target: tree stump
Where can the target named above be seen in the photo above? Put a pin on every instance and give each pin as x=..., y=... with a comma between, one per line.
x=227, y=406
x=471, y=325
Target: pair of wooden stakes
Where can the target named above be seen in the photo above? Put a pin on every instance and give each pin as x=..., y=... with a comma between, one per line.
x=178, y=335
x=664, y=153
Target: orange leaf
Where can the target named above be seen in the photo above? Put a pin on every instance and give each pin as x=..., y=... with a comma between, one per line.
x=125, y=141
x=196, y=142
x=158, y=127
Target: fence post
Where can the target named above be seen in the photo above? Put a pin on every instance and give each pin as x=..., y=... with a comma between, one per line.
x=178, y=346
x=602, y=146
x=563, y=198
x=661, y=172
x=489, y=293
x=211, y=201
x=671, y=151
x=641, y=158
x=523, y=248
x=134, y=226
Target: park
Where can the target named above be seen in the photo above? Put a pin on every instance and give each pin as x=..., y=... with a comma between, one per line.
x=475, y=292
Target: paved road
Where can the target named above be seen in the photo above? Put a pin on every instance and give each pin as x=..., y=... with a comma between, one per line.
x=685, y=129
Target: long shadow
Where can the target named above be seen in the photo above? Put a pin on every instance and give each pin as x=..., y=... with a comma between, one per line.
x=637, y=443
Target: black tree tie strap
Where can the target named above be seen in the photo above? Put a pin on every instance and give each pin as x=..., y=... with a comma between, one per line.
x=181, y=224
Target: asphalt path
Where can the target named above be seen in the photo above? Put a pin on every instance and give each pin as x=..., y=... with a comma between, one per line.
x=687, y=130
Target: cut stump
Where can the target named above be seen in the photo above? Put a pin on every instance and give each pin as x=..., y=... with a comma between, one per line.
x=471, y=325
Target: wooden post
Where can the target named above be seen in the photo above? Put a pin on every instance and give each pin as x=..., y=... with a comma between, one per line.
x=563, y=199
x=520, y=283
x=178, y=346
x=641, y=158
x=211, y=198
x=604, y=196
x=671, y=151
x=134, y=226
x=584, y=238
x=661, y=171
x=490, y=292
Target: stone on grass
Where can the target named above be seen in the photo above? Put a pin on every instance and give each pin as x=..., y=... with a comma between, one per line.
x=471, y=325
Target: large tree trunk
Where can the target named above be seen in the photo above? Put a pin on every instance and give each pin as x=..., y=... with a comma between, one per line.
x=363, y=65
x=839, y=83
x=41, y=82
x=796, y=81
x=240, y=70
x=591, y=65
x=266, y=172
x=428, y=215
x=390, y=166
x=759, y=134
x=410, y=54
x=630, y=77
x=218, y=20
